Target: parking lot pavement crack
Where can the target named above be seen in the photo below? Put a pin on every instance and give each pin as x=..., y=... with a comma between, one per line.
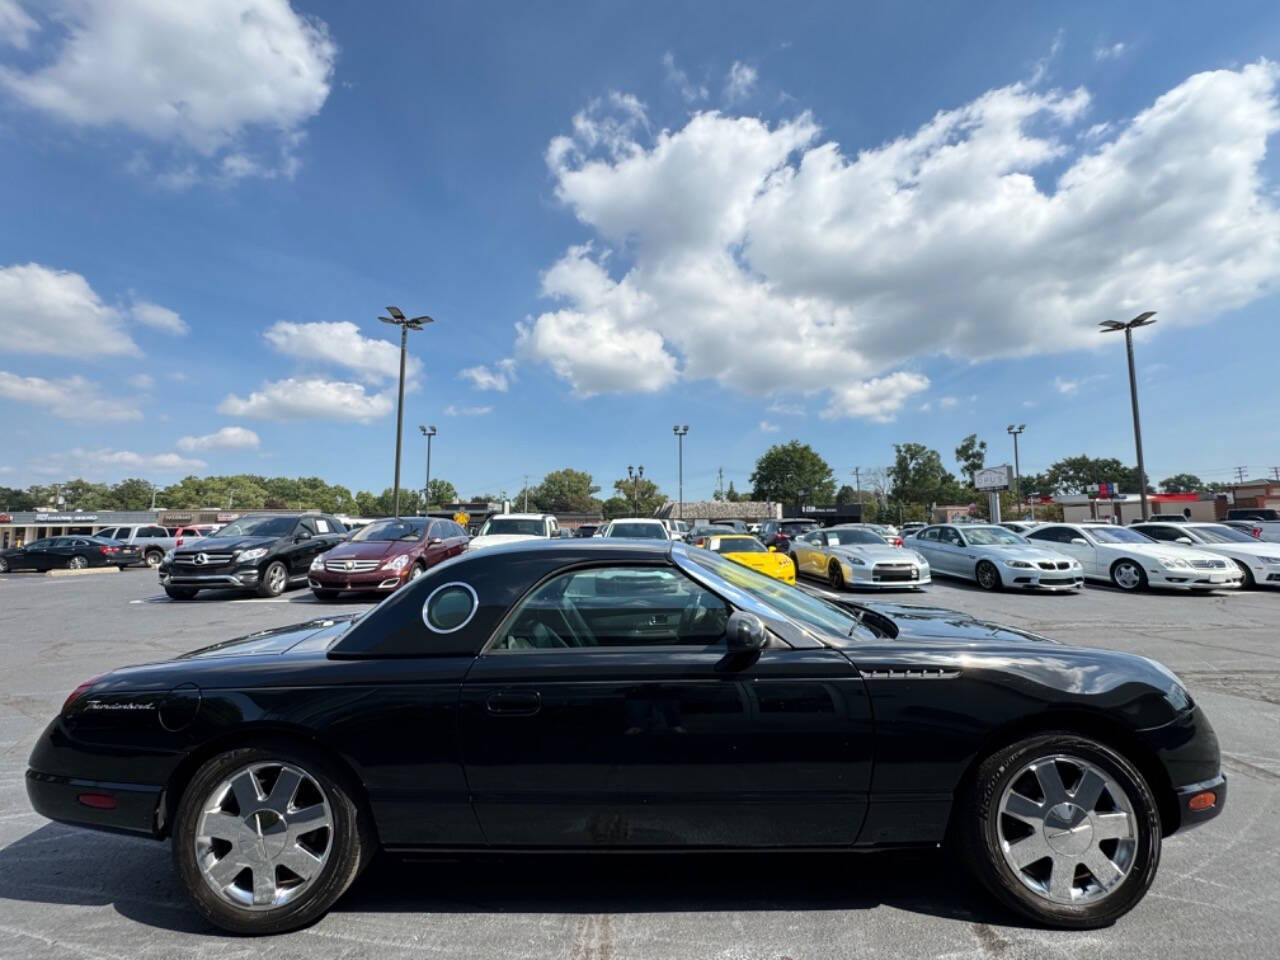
x=63, y=945
x=993, y=945
x=593, y=938
x=1263, y=685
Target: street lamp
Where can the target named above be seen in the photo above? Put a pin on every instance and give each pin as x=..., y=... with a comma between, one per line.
x=681, y=433
x=405, y=324
x=1015, y=432
x=427, y=432
x=1113, y=326
x=635, y=476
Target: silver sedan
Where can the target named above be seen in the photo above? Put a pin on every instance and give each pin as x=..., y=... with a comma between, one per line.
x=996, y=558
x=854, y=556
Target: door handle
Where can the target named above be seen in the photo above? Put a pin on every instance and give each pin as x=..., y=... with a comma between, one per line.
x=514, y=704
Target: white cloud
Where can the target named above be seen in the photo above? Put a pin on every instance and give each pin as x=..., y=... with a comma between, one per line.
x=878, y=399
x=142, y=381
x=1068, y=387
x=947, y=403
x=217, y=75
x=1112, y=52
x=483, y=378
x=740, y=83
x=228, y=438
x=768, y=427
x=771, y=261
x=789, y=409
x=310, y=399
x=159, y=318
x=692, y=92
x=16, y=26
x=113, y=463
x=341, y=344
x=43, y=310
x=452, y=411
x=73, y=398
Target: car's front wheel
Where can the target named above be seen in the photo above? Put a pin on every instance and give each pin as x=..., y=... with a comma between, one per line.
x=988, y=576
x=181, y=593
x=1247, y=581
x=1063, y=829
x=835, y=575
x=265, y=840
x=324, y=594
x=1128, y=575
x=274, y=579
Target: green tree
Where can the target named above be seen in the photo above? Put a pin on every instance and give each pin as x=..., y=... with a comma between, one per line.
x=791, y=472
x=971, y=455
x=918, y=476
x=616, y=507
x=641, y=495
x=131, y=494
x=1182, y=483
x=732, y=495
x=1075, y=474
x=846, y=495
x=12, y=499
x=566, y=491
x=441, y=492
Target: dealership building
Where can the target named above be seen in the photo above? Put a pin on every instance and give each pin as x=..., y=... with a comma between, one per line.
x=22, y=527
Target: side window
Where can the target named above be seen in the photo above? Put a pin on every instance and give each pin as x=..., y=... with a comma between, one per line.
x=1168, y=534
x=109, y=533
x=949, y=535
x=449, y=607
x=1054, y=534
x=616, y=607
x=308, y=524
x=929, y=533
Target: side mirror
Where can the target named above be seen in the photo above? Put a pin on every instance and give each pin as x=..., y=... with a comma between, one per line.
x=1080, y=541
x=745, y=632
x=301, y=535
x=1187, y=540
x=433, y=541
x=773, y=549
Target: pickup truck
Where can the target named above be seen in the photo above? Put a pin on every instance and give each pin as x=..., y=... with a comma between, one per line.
x=151, y=539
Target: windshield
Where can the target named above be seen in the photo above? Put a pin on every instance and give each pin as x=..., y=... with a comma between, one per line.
x=796, y=529
x=991, y=536
x=1116, y=535
x=1217, y=533
x=794, y=603
x=650, y=531
x=737, y=545
x=513, y=526
x=258, y=527
x=387, y=530
x=847, y=538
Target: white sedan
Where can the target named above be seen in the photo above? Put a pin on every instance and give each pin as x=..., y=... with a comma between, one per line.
x=1133, y=561
x=855, y=556
x=1258, y=561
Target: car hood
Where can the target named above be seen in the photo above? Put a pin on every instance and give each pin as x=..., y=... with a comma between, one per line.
x=1017, y=551
x=226, y=544
x=370, y=549
x=924, y=623
x=493, y=539
x=1162, y=551
x=302, y=637
x=876, y=552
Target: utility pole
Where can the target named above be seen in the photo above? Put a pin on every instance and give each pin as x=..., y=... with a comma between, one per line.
x=427, y=432
x=526, y=493
x=857, y=482
x=1112, y=326
x=681, y=433
x=720, y=482
x=1015, y=432
x=1240, y=471
x=405, y=324
x=1275, y=472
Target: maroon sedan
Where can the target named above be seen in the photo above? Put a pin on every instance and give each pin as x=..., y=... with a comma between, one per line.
x=385, y=554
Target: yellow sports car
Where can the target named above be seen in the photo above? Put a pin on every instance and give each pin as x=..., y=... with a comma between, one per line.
x=750, y=552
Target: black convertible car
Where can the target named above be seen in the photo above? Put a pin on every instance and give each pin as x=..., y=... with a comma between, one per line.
x=588, y=694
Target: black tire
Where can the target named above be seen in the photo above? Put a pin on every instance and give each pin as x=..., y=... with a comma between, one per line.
x=181, y=593
x=978, y=831
x=835, y=575
x=988, y=576
x=1248, y=583
x=325, y=594
x=1119, y=578
x=153, y=558
x=352, y=843
x=77, y=562
x=274, y=579
x=4, y=565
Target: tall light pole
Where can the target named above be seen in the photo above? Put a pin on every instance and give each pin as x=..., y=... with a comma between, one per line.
x=405, y=324
x=1112, y=326
x=681, y=433
x=635, y=476
x=427, y=432
x=1015, y=432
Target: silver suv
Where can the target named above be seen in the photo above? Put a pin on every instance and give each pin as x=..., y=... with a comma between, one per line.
x=151, y=539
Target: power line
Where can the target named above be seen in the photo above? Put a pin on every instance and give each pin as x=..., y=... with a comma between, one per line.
x=1240, y=471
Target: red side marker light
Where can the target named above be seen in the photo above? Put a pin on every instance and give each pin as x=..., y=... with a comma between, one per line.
x=79, y=692
x=99, y=801
x=1203, y=801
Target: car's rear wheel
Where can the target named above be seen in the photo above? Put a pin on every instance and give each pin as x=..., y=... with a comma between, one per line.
x=4, y=565
x=274, y=579
x=325, y=594
x=835, y=575
x=181, y=593
x=1128, y=575
x=988, y=576
x=1248, y=583
x=1062, y=829
x=77, y=562
x=265, y=840
x=153, y=557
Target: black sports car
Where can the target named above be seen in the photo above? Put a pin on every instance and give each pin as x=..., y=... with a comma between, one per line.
x=577, y=694
x=73, y=552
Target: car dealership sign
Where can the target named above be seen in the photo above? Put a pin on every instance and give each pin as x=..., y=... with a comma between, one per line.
x=65, y=517
x=993, y=478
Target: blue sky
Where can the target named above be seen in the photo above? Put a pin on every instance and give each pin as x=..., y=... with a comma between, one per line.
x=851, y=226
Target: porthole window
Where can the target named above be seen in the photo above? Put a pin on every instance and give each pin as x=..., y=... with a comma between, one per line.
x=449, y=607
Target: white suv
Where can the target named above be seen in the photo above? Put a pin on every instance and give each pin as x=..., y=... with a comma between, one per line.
x=512, y=527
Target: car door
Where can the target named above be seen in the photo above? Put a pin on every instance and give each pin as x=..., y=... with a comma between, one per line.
x=33, y=555
x=949, y=552
x=607, y=712
x=308, y=543
x=926, y=542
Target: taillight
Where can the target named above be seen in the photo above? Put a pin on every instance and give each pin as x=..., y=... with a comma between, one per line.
x=1257, y=533
x=79, y=692
x=897, y=541
x=109, y=550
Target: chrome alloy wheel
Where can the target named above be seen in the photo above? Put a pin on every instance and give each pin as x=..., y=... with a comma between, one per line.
x=264, y=835
x=1067, y=830
x=77, y=563
x=276, y=577
x=1128, y=576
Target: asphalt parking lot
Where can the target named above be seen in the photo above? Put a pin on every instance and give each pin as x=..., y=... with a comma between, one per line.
x=68, y=892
